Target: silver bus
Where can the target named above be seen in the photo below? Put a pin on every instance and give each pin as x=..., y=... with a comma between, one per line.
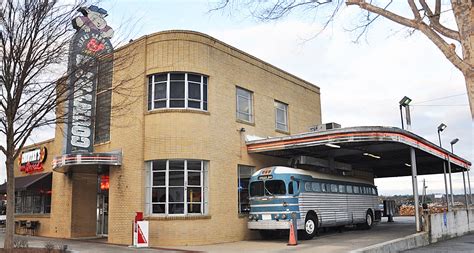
x=318, y=200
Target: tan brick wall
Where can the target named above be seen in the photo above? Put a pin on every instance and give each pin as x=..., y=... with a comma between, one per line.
x=182, y=134
x=213, y=135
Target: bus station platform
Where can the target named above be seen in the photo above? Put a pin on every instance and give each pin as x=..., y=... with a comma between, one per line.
x=331, y=241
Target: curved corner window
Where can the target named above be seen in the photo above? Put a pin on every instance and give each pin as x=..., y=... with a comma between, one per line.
x=177, y=90
x=176, y=187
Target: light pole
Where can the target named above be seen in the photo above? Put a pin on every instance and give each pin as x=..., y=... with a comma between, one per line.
x=441, y=127
x=463, y=177
x=405, y=103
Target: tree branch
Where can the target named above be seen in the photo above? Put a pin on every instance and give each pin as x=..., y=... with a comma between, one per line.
x=434, y=21
x=383, y=12
x=414, y=9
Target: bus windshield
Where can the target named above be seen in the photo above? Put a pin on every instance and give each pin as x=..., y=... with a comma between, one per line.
x=268, y=188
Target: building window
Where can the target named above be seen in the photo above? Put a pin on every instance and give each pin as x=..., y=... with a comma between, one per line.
x=176, y=187
x=281, y=116
x=244, y=105
x=244, y=174
x=103, y=104
x=28, y=202
x=177, y=90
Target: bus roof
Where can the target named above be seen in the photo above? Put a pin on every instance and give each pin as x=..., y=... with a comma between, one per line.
x=314, y=174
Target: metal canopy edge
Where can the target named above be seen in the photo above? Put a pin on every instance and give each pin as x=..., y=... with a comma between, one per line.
x=395, y=140
x=67, y=162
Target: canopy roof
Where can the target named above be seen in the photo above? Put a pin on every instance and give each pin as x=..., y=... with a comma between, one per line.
x=384, y=151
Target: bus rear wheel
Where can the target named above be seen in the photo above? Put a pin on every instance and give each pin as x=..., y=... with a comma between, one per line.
x=310, y=227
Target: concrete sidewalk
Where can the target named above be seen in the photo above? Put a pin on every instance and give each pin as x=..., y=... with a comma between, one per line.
x=328, y=242
x=83, y=246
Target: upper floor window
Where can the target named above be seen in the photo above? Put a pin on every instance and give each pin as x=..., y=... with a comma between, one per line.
x=177, y=90
x=244, y=105
x=281, y=116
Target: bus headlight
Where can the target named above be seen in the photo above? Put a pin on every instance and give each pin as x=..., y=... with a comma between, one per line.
x=283, y=216
x=285, y=204
x=251, y=217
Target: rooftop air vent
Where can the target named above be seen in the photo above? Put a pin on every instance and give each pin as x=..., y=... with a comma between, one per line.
x=324, y=127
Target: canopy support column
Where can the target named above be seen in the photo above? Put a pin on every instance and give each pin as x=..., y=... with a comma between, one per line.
x=465, y=190
x=450, y=180
x=415, y=188
x=448, y=205
x=469, y=183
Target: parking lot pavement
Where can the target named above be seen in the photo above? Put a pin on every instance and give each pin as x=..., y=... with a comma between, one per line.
x=328, y=242
x=460, y=244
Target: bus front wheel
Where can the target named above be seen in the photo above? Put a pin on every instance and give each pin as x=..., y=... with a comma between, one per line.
x=310, y=227
x=369, y=221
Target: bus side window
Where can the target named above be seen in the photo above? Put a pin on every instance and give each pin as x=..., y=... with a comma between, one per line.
x=307, y=186
x=323, y=188
x=356, y=189
x=290, y=187
x=333, y=188
x=342, y=188
x=349, y=188
x=316, y=187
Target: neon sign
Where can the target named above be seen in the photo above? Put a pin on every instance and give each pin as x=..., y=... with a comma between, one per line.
x=32, y=161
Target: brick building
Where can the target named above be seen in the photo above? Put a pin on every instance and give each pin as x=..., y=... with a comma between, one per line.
x=196, y=100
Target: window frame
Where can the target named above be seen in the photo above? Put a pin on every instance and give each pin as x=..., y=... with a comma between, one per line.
x=239, y=202
x=25, y=202
x=250, y=104
x=285, y=110
x=203, y=86
x=203, y=186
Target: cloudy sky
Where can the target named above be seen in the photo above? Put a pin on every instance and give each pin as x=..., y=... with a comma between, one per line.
x=361, y=83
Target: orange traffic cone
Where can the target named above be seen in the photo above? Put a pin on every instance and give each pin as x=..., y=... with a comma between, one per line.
x=292, y=240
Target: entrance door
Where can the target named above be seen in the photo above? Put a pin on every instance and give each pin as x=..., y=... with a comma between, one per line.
x=103, y=206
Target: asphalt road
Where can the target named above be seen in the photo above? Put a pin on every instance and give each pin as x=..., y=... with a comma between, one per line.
x=460, y=244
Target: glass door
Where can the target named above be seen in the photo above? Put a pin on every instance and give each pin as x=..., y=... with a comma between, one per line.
x=103, y=205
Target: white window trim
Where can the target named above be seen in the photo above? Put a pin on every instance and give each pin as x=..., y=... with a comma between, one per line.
x=286, y=116
x=204, y=189
x=250, y=105
x=186, y=92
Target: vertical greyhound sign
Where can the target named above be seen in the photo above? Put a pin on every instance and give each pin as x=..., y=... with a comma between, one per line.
x=89, y=43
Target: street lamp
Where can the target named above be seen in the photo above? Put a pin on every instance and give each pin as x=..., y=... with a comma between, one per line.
x=441, y=128
x=452, y=144
x=405, y=103
x=463, y=177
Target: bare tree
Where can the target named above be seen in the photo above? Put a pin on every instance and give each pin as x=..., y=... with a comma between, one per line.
x=34, y=47
x=426, y=18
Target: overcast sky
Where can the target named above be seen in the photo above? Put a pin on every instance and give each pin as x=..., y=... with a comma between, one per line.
x=361, y=83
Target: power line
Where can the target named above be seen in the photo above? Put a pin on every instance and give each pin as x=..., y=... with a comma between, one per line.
x=441, y=105
x=434, y=99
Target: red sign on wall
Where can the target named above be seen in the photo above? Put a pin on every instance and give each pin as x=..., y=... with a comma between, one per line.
x=32, y=161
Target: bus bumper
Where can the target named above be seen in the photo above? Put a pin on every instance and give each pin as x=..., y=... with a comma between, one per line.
x=273, y=224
